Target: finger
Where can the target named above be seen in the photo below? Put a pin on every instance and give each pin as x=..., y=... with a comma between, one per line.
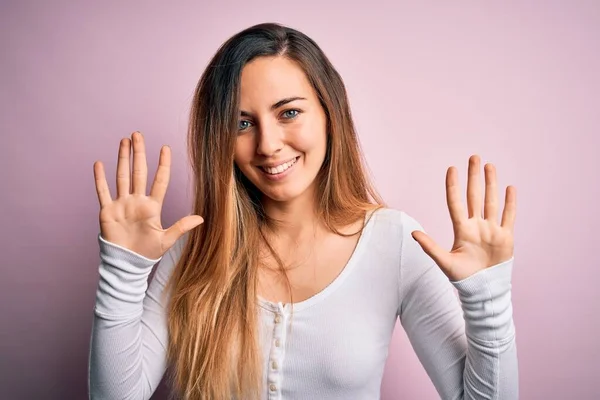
x=163, y=173
x=473, y=187
x=510, y=208
x=140, y=167
x=453, y=198
x=123, y=168
x=490, y=208
x=433, y=250
x=180, y=227
x=102, y=189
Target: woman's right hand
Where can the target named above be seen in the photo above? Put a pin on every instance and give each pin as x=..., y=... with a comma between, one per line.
x=133, y=220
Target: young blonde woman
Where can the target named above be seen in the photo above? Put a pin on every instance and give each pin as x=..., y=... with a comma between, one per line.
x=287, y=280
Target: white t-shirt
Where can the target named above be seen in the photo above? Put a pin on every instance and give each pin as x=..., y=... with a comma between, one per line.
x=338, y=344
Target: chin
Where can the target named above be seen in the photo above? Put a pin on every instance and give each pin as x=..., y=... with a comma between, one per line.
x=282, y=194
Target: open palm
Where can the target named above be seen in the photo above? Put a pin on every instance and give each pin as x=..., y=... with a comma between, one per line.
x=479, y=240
x=133, y=219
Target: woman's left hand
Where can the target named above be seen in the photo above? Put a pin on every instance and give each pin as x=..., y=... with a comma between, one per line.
x=479, y=241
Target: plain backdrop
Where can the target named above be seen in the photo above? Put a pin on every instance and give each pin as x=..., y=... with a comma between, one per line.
x=430, y=83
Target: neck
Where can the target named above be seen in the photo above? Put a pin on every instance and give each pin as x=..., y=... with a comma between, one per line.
x=295, y=219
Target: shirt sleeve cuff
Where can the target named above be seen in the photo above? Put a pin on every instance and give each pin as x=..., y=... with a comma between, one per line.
x=123, y=280
x=112, y=252
x=486, y=302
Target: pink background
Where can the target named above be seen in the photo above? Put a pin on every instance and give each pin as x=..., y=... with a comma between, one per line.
x=430, y=84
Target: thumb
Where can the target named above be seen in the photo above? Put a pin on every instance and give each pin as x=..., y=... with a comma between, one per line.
x=432, y=249
x=180, y=227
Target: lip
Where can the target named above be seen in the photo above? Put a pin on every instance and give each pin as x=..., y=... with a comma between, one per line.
x=282, y=175
x=271, y=165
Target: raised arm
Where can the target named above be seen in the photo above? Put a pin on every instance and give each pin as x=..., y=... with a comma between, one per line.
x=129, y=335
x=469, y=352
x=479, y=265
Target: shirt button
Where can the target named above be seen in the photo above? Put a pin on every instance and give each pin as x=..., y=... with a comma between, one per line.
x=277, y=343
x=277, y=319
x=272, y=387
x=274, y=365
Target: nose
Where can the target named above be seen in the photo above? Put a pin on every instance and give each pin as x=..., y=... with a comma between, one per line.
x=270, y=140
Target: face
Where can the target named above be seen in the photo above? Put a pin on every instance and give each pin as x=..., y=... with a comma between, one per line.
x=282, y=139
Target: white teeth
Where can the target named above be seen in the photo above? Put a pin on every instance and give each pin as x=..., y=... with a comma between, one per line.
x=280, y=168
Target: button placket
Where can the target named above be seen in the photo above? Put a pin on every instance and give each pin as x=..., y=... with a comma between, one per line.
x=277, y=353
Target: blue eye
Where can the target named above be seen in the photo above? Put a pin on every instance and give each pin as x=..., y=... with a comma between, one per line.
x=244, y=124
x=294, y=113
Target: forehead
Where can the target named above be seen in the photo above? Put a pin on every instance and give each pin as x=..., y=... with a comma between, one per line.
x=267, y=80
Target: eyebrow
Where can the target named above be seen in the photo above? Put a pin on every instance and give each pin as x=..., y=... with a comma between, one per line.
x=275, y=106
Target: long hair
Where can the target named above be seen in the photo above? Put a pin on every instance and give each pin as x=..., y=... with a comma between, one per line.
x=213, y=346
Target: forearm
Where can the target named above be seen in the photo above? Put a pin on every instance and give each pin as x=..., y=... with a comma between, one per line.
x=128, y=333
x=491, y=367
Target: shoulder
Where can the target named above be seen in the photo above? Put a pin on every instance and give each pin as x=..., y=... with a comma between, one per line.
x=393, y=220
x=389, y=232
x=390, y=227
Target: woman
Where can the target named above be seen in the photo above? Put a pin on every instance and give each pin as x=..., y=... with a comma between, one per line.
x=291, y=287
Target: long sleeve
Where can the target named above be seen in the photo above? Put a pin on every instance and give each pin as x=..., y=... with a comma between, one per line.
x=129, y=333
x=467, y=347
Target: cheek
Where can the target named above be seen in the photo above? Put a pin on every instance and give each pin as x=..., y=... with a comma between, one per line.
x=244, y=150
x=310, y=137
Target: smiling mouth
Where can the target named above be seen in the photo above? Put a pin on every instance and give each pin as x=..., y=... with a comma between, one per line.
x=280, y=168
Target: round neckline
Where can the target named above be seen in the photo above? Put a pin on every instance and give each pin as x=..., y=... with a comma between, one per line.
x=335, y=284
